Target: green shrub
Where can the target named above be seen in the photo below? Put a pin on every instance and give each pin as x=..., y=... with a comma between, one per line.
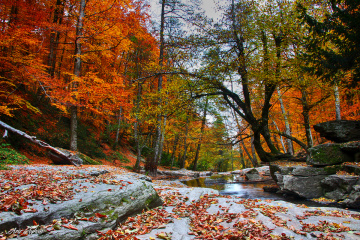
x=165, y=159
x=10, y=156
x=129, y=167
x=88, y=161
x=118, y=156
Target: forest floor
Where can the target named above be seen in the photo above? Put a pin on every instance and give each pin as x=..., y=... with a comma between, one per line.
x=201, y=213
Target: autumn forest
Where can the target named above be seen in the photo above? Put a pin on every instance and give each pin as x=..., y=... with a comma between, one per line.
x=182, y=89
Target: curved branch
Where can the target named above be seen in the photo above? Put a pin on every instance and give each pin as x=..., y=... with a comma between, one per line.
x=303, y=145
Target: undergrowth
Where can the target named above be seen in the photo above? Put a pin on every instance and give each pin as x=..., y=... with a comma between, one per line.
x=10, y=156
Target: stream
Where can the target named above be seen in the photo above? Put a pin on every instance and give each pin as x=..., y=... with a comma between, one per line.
x=229, y=185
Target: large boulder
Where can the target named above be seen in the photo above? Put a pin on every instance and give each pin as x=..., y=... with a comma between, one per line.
x=352, y=149
x=339, y=131
x=253, y=175
x=353, y=199
x=337, y=187
x=301, y=181
x=106, y=202
x=327, y=154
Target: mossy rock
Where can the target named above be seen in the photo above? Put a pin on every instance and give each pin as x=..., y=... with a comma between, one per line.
x=327, y=155
x=88, y=160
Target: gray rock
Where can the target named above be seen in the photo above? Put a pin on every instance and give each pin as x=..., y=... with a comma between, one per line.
x=353, y=200
x=114, y=201
x=253, y=175
x=309, y=171
x=338, y=187
x=306, y=187
x=342, y=182
x=352, y=147
x=339, y=131
x=98, y=173
x=326, y=155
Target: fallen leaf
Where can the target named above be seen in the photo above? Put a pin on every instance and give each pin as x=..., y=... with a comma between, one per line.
x=99, y=215
x=70, y=227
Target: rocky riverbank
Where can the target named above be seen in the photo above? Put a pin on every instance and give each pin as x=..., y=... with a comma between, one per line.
x=331, y=170
x=92, y=203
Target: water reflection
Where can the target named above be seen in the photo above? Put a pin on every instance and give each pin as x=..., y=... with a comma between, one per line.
x=227, y=185
x=232, y=185
x=249, y=190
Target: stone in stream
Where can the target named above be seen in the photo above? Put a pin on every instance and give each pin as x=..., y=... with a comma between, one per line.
x=252, y=175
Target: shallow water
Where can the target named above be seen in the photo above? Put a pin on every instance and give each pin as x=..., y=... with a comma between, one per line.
x=227, y=185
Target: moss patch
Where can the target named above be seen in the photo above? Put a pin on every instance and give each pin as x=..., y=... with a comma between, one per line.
x=88, y=161
x=327, y=154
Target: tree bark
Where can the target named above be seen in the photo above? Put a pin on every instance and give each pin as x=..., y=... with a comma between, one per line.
x=281, y=139
x=54, y=37
x=203, y=122
x=174, y=151
x=337, y=101
x=253, y=151
x=55, y=152
x=77, y=73
x=306, y=115
x=151, y=163
x=182, y=164
x=242, y=160
x=118, y=128
x=287, y=125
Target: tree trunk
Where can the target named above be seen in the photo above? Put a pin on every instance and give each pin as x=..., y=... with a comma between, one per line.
x=305, y=113
x=151, y=163
x=77, y=73
x=287, y=125
x=54, y=37
x=254, y=158
x=55, y=152
x=118, y=129
x=281, y=139
x=182, y=163
x=162, y=140
x=174, y=151
x=337, y=101
x=203, y=122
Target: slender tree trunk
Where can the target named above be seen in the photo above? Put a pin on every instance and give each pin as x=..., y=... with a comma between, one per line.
x=162, y=140
x=118, y=128
x=151, y=163
x=305, y=113
x=281, y=138
x=337, y=102
x=242, y=160
x=77, y=73
x=254, y=158
x=203, y=122
x=176, y=140
x=287, y=125
x=182, y=164
x=54, y=37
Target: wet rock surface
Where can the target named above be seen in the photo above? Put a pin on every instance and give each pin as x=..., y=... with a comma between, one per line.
x=92, y=203
x=201, y=213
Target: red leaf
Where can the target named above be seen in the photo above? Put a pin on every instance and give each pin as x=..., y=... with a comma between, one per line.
x=31, y=210
x=99, y=215
x=70, y=227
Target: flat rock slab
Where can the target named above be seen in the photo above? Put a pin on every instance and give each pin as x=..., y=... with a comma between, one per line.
x=206, y=216
x=92, y=202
